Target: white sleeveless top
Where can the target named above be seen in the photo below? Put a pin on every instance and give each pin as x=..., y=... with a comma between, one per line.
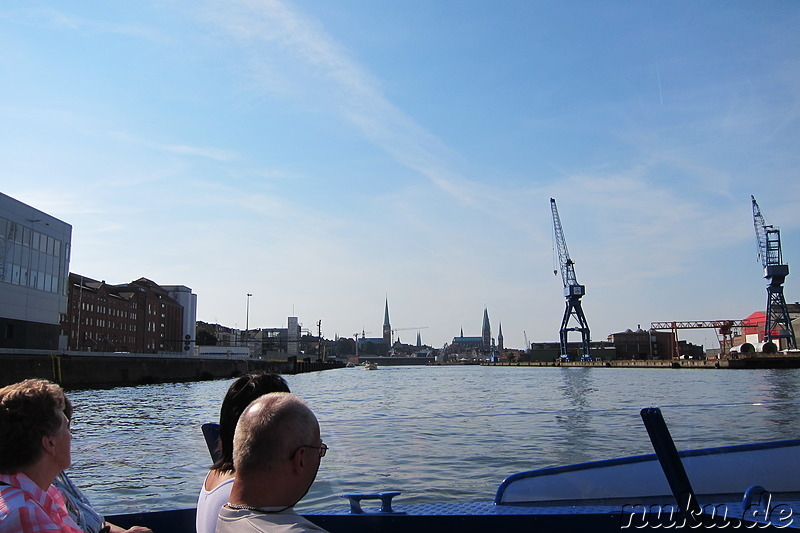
x=209, y=503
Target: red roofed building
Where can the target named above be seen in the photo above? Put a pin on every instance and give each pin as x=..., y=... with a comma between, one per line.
x=753, y=325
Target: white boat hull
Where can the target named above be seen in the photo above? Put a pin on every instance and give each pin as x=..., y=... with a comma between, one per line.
x=713, y=472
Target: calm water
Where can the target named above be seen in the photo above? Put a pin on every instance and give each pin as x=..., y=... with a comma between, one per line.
x=434, y=433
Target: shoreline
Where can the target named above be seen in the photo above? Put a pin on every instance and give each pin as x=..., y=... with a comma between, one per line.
x=78, y=370
x=747, y=363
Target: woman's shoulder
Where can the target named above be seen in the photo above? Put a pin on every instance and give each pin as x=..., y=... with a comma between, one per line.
x=215, y=479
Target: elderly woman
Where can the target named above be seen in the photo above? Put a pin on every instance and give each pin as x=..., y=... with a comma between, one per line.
x=34, y=448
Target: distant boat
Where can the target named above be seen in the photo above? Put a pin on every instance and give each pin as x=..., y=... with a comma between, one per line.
x=349, y=365
x=370, y=366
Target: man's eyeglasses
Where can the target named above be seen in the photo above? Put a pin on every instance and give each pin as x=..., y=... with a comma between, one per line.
x=323, y=448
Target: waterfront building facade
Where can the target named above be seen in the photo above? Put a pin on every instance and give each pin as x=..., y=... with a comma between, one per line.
x=188, y=301
x=754, y=332
x=547, y=352
x=140, y=317
x=34, y=265
x=260, y=343
x=641, y=344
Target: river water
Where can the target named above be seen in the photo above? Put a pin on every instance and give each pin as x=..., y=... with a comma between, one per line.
x=437, y=434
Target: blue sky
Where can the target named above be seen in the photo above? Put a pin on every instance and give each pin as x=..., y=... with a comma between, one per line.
x=325, y=155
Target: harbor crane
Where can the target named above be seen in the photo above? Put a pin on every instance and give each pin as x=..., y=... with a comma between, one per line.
x=725, y=328
x=395, y=330
x=779, y=323
x=573, y=291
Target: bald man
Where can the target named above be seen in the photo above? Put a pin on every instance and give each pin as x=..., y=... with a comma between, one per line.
x=276, y=454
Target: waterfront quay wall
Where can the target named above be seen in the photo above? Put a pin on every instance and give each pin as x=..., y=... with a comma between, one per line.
x=98, y=369
x=766, y=361
x=395, y=361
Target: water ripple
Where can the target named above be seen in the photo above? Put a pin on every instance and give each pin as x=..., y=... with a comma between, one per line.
x=435, y=433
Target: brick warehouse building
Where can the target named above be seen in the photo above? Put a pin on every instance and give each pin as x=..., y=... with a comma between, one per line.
x=641, y=344
x=140, y=317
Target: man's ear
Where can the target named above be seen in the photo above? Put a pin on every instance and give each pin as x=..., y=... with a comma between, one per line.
x=299, y=459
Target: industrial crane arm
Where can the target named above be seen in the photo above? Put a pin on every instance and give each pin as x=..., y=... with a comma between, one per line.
x=769, y=239
x=761, y=232
x=564, y=262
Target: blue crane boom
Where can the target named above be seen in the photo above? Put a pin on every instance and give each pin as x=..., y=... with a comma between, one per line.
x=779, y=323
x=573, y=291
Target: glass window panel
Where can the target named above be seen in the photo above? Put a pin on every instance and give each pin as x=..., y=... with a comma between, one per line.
x=57, y=248
x=48, y=280
x=14, y=253
x=15, y=275
x=7, y=271
x=34, y=262
x=50, y=244
x=26, y=236
x=15, y=233
x=54, y=285
x=40, y=281
x=3, y=228
x=25, y=256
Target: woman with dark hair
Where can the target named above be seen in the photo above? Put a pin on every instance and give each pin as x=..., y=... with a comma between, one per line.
x=218, y=482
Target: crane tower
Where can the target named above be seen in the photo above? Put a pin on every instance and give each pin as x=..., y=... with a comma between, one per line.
x=779, y=324
x=573, y=291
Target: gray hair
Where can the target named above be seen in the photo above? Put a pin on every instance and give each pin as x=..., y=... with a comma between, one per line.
x=270, y=430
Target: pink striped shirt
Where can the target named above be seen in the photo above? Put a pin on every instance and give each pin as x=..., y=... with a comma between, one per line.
x=26, y=508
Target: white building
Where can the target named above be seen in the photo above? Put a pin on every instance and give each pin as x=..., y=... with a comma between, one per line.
x=183, y=295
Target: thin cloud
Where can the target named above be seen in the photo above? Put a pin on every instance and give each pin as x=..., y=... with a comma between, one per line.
x=43, y=17
x=356, y=96
x=217, y=154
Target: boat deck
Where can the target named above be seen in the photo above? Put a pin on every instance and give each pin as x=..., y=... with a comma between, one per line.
x=487, y=516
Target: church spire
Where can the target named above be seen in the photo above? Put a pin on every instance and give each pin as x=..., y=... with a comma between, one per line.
x=500, y=337
x=486, y=332
x=387, y=328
